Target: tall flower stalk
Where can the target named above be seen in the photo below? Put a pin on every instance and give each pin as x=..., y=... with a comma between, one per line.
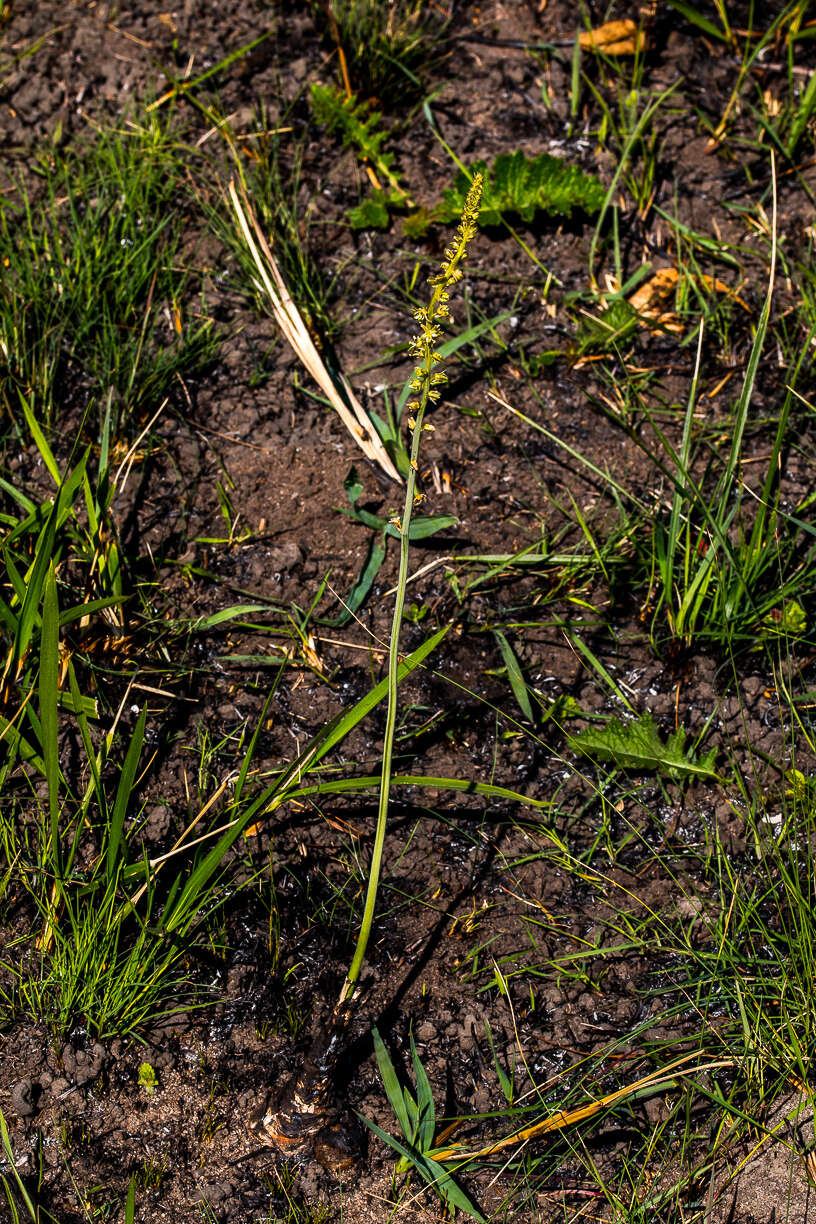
x=426, y=383
x=304, y=1114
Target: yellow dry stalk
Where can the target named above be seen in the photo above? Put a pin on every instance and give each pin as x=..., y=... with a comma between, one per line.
x=290, y=321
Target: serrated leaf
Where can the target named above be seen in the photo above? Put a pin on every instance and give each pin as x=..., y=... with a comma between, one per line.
x=520, y=186
x=354, y=120
x=616, y=322
x=359, y=128
x=637, y=745
x=371, y=213
x=417, y=224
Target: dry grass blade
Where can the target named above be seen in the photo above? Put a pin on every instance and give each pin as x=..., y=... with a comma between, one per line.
x=289, y=319
x=566, y=1118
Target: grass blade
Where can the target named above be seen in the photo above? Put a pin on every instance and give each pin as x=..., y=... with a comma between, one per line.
x=391, y=1084
x=123, y=794
x=48, y=697
x=9, y=1151
x=517, y=683
x=435, y=1175
x=425, y=1101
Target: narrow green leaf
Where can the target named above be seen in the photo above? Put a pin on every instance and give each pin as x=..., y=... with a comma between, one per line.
x=95, y=786
x=44, y=558
x=19, y=584
x=391, y=1084
x=77, y=611
x=227, y=614
x=425, y=1102
x=39, y=439
x=48, y=693
x=803, y=115
x=695, y=17
x=18, y=495
x=7, y=618
x=598, y=666
x=130, y=1205
x=435, y=1174
x=514, y=675
x=249, y=755
x=19, y=746
x=9, y=1151
x=123, y=794
x=287, y=782
x=505, y=1082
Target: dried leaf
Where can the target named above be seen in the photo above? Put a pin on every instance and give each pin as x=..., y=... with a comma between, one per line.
x=656, y=289
x=290, y=321
x=614, y=38
x=650, y=298
x=721, y=287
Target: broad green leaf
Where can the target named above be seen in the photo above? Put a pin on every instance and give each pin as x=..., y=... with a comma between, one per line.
x=637, y=745
x=519, y=186
x=422, y=525
x=425, y=525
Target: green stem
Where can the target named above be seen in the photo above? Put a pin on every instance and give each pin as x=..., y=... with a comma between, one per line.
x=425, y=383
x=353, y=975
